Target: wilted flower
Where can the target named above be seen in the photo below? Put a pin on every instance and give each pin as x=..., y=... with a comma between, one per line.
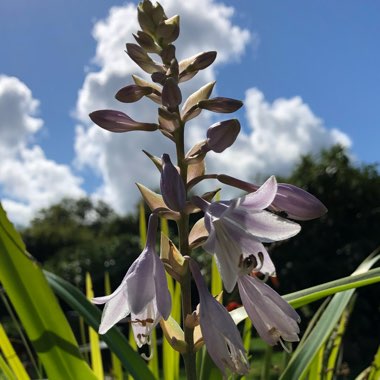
x=220, y=334
x=274, y=319
x=143, y=293
x=238, y=228
x=172, y=186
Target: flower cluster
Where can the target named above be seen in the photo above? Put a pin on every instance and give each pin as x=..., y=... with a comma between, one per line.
x=234, y=231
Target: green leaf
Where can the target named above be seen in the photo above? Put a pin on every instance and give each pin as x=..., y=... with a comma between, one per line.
x=5, y=370
x=115, y=340
x=304, y=355
x=309, y=295
x=38, y=309
x=11, y=356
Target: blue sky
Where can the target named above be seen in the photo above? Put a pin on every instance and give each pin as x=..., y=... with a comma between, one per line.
x=298, y=60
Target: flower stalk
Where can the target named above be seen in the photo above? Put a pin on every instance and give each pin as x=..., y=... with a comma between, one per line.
x=232, y=230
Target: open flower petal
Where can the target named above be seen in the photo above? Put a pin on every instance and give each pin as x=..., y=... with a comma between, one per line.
x=143, y=323
x=140, y=283
x=164, y=301
x=273, y=318
x=220, y=334
x=117, y=308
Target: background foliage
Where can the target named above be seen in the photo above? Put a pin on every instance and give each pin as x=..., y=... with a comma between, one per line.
x=79, y=236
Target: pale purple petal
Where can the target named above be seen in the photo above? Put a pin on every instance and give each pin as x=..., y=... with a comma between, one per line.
x=263, y=225
x=271, y=315
x=220, y=334
x=143, y=323
x=115, y=309
x=298, y=203
x=140, y=282
x=227, y=254
x=164, y=301
x=261, y=198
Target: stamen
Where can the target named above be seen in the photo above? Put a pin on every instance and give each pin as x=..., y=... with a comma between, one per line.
x=151, y=351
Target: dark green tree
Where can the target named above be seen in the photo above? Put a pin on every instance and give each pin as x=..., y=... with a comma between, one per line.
x=334, y=245
x=76, y=236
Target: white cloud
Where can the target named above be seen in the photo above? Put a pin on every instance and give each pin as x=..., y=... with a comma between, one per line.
x=117, y=158
x=28, y=180
x=278, y=134
x=17, y=109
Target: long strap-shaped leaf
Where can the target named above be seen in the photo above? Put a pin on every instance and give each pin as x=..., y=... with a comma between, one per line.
x=301, y=359
x=11, y=356
x=315, y=293
x=115, y=340
x=38, y=309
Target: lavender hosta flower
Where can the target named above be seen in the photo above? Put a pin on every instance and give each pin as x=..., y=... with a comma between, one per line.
x=172, y=186
x=220, y=334
x=238, y=228
x=295, y=202
x=143, y=293
x=274, y=319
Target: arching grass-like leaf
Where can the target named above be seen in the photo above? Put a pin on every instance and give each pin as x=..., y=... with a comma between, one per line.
x=115, y=340
x=38, y=309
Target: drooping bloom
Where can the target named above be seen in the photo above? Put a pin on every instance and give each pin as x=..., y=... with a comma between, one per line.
x=295, y=202
x=143, y=293
x=238, y=228
x=274, y=319
x=220, y=334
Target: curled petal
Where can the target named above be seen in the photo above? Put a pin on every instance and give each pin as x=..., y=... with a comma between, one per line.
x=117, y=308
x=261, y=198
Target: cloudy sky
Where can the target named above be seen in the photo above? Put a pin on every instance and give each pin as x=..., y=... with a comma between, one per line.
x=308, y=74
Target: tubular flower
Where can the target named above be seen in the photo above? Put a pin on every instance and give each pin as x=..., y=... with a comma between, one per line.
x=143, y=293
x=238, y=228
x=220, y=334
x=274, y=319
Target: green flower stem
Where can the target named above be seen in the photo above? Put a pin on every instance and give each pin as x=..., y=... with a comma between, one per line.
x=183, y=234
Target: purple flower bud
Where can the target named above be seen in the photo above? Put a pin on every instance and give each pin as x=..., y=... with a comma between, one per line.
x=116, y=121
x=298, y=203
x=222, y=135
x=221, y=105
x=132, y=93
x=220, y=334
x=172, y=186
x=171, y=94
